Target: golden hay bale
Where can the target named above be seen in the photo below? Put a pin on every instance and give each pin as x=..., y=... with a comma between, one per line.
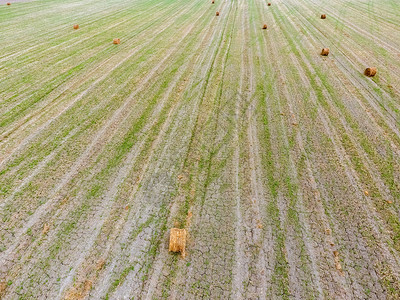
x=259, y=224
x=370, y=72
x=323, y=16
x=3, y=287
x=337, y=261
x=46, y=228
x=100, y=264
x=217, y=13
x=177, y=240
x=265, y=26
x=76, y=26
x=116, y=41
x=325, y=52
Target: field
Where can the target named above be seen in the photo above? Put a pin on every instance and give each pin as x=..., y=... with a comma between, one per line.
x=282, y=165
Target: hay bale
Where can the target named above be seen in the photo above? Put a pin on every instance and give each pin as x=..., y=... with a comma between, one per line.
x=265, y=26
x=212, y=2
x=76, y=26
x=370, y=72
x=269, y=4
x=8, y=3
x=100, y=264
x=3, y=287
x=46, y=228
x=337, y=261
x=177, y=240
x=323, y=16
x=217, y=13
x=325, y=52
x=116, y=41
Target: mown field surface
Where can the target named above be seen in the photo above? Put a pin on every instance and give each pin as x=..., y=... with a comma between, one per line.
x=282, y=165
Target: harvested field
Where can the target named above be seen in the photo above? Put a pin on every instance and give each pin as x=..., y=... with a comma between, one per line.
x=282, y=165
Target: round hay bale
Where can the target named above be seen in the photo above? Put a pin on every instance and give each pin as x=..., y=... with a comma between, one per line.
x=265, y=26
x=46, y=228
x=116, y=41
x=325, y=52
x=370, y=72
x=212, y=2
x=217, y=13
x=8, y=3
x=323, y=16
x=177, y=240
x=269, y=4
x=76, y=26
